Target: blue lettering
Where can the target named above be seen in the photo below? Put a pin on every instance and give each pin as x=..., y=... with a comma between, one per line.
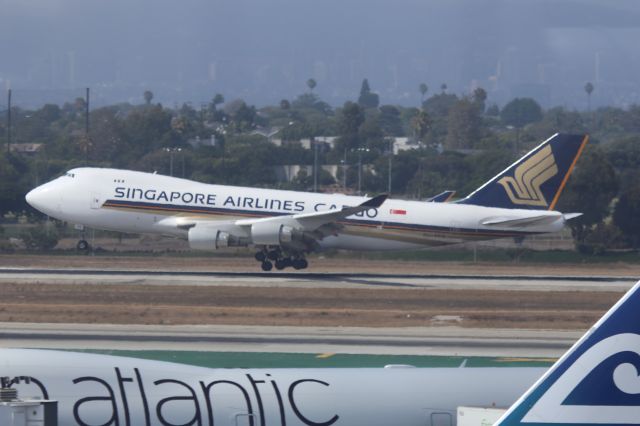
x=187, y=197
x=119, y=192
x=152, y=192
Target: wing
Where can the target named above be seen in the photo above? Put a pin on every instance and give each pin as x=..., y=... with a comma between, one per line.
x=297, y=231
x=312, y=221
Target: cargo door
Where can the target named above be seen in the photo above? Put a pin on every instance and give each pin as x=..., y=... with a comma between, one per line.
x=96, y=200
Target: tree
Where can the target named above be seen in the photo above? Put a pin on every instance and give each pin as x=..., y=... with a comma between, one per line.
x=627, y=213
x=463, y=125
x=479, y=98
x=284, y=104
x=311, y=84
x=367, y=99
x=218, y=99
x=423, y=91
x=350, y=119
x=421, y=124
x=518, y=113
x=148, y=96
x=390, y=121
x=589, y=190
x=443, y=88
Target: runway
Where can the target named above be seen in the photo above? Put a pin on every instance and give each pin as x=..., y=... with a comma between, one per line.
x=438, y=333
x=318, y=280
x=351, y=340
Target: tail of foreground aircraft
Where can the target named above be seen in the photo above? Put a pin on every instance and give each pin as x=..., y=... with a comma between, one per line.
x=596, y=382
x=536, y=180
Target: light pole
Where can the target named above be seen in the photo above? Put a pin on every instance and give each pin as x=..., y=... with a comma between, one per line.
x=344, y=172
x=9, y=124
x=390, y=161
x=171, y=151
x=360, y=151
x=315, y=164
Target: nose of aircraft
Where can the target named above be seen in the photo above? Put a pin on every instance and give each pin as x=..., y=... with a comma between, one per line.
x=44, y=199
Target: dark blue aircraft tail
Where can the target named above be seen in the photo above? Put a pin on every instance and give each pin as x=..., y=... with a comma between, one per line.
x=596, y=382
x=443, y=197
x=536, y=180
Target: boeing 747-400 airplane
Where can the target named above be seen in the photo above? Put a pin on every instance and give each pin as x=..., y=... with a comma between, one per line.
x=285, y=225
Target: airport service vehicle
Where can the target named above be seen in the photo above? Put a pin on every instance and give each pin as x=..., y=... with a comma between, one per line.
x=595, y=382
x=286, y=225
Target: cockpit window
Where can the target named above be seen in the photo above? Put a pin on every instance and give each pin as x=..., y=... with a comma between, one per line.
x=71, y=175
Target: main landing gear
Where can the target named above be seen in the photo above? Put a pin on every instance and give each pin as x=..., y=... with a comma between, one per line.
x=270, y=257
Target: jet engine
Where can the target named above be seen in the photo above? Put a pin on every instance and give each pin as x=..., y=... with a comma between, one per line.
x=211, y=237
x=274, y=234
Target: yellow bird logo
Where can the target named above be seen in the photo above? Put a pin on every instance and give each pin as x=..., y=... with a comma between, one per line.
x=524, y=187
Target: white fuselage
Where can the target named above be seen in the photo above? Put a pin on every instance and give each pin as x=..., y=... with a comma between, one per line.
x=98, y=389
x=137, y=202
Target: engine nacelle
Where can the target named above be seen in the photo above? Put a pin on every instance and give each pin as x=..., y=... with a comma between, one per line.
x=272, y=233
x=204, y=237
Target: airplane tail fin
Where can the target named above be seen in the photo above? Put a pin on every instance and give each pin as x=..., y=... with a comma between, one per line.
x=443, y=197
x=596, y=382
x=536, y=180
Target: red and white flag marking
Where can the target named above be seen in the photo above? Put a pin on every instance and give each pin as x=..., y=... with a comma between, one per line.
x=397, y=211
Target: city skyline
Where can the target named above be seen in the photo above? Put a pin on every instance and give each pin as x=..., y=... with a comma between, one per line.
x=264, y=52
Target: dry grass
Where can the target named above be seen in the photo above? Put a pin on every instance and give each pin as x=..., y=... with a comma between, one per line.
x=148, y=304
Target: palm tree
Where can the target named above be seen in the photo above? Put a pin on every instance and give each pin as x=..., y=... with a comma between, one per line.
x=443, y=87
x=589, y=89
x=148, y=96
x=311, y=84
x=423, y=91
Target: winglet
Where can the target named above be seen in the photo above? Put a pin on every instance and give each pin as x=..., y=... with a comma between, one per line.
x=595, y=382
x=375, y=202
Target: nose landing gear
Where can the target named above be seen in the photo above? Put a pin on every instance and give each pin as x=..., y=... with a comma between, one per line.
x=83, y=245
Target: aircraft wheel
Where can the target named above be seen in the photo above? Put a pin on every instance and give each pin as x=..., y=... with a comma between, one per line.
x=261, y=256
x=267, y=266
x=287, y=261
x=82, y=245
x=300, y=263
x=281, y=264
x=273, y=254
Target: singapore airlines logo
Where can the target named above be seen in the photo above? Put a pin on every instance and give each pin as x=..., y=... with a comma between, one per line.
x=524, y=186
x=552, y=407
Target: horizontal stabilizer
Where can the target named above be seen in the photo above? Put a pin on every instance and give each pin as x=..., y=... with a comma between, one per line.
x=521, y=221
x=569, y=216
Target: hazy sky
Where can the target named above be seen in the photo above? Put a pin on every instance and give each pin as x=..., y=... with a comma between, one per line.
x=265, y=50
